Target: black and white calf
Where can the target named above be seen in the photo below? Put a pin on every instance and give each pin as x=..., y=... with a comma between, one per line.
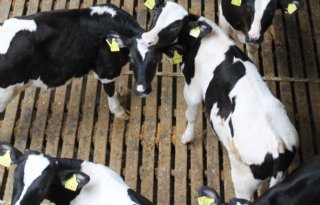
x=66, y=181
x=251, y=18
x=300, y=187
x=250, y=122
x=49, y=49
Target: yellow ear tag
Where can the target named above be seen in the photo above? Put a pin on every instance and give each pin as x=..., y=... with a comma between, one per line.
x=72, y=183
x=177, y=58
x=291, y=8
x=236, y=2
x=114, y=46
x=5, y=160
x=205, y=201
x=195, y=32
x=150, y=4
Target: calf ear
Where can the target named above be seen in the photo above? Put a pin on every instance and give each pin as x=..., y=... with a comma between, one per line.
x=8, y=154
x=151, y=4
x=73, y=180
x=291, y=6
x=169, y=51
x=199, y=29
x=208, y=196
x=122, y=41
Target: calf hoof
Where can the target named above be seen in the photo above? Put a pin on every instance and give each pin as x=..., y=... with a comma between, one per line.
x=122, y=115
x=186, y=138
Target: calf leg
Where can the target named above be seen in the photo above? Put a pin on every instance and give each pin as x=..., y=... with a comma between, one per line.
x=114, y=104
x=193, y=99
x=6, y=95
x=243, y=181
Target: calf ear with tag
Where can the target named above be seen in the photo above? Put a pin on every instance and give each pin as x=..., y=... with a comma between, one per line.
x=208, y=196
x=290, y=7
x=115, y=42
x=205, y=201
x=73, y=180
x=8, y=154
x=199, y=29
x=151, y=4
x=236, y=2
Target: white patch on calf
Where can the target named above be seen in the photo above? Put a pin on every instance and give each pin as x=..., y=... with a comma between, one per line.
x=140, y=88
x=10, y=28
x=39, y=83
x=259, y=6
x=104, y=80
x=35, y=164
x=141, y=48
x=100, y=10
x=105, y=187
x=5, y=96
x=169, y=14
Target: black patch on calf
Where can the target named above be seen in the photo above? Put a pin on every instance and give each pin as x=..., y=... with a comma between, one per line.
x=137, y=198
x=265, y=169
x=270, y=166
x=231, y=127
x=235, y=201
x=226, y=75
x=239, y=17
x=110, y=89
x=60, y=195
x=300, y=187
x=169, y=34
x=268, y=16
x=189, y=63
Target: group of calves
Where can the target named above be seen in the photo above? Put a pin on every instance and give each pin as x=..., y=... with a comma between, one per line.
x=48, y=49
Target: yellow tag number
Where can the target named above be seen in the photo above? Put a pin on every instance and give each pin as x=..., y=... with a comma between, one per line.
x=5, y=160
x=150, y=4
x=114, y=46
x=177, y=58
x=205, y=201
x=236, y=2
x=291, y=8
x=195, y=32
x=72, y=183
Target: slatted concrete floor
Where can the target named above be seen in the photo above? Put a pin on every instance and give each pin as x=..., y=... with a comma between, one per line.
x=74, y=120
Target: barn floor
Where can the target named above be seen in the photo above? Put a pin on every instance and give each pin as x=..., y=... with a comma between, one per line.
x=74, y=120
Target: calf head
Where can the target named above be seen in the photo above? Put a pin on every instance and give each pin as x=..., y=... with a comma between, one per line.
x=169, y=22
x=144, y=62
x=208, y=196
x=38, y=177
x=254, y=17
